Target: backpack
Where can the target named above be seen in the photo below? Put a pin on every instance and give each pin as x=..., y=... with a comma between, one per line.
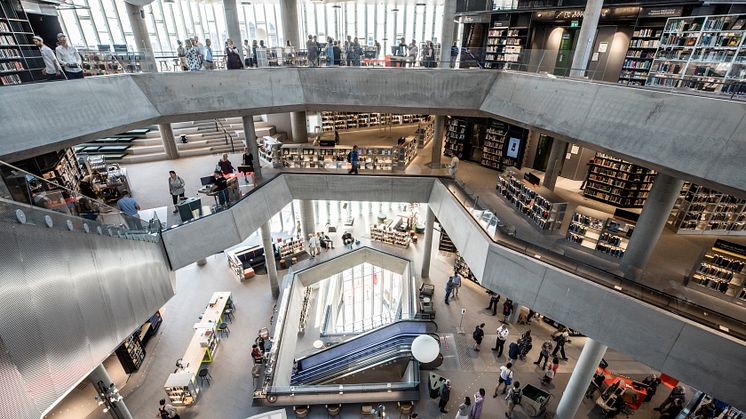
x=516, y=398
x=349, y=157
x=477, y=334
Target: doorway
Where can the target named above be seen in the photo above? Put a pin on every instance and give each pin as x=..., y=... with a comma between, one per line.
x=543, y=148
x=564, y=54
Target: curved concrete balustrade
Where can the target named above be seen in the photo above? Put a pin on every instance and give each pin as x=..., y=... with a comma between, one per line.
x=693, y=353
x=693, y=137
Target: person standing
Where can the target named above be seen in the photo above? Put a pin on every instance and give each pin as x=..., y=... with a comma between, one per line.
x=476, y=408
x=193, y=57
x=248, y=162
x=225, y=165
x=348, y=50
x=449, y=289
x=464, y=409
x=673, y=410
x=312, y=50
x=454, y=54
x=494, y=299
x=677, y=392
x=176, y=188
x=546, y=348
x=377, y=46
x=181, y=56
x=129, y=208
x=254, y=57
x=456, y=283
x=513, y=398
x=232, y=59
x=313, y=245
x=412, y=54
x=337, y=54
x=357, y=52
x=166, y=411
x=506, y=377
x=560, y=337
x=246, y=53
x=524, y=345
x=445, y=395
x=52, y=68
x=329, y=51
x=220, y=187
x=507, y=310
x=353, y=159
x=336, y=137
x=209, y=64
x=502, y=336
x=478, y=335
x=69, y=58
x=199, y=46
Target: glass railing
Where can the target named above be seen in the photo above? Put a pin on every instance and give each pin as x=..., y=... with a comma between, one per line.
x=508, y=236
x=29, y=199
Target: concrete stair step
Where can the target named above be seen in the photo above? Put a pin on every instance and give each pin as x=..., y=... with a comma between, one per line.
x=148, y=149
x=140, y=142
x=130, y=158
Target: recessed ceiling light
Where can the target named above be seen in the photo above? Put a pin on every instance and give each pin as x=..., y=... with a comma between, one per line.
x=336, y=6
x=420, y=4
x=245, y=2
x=394, y=10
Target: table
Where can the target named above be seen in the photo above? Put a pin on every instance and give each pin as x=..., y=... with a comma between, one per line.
x=318, y=344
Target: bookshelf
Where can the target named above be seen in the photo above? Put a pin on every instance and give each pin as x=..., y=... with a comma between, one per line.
x=494, y=148
x=701, y=210
x=20, y=59
x=585, y=228
x=387, y=234
x=595, y=230
x=291, y=247
x=456, y=130
x=131, y=353
x=615, y=237
x=504, y=46
x=425, y=133
x=445, y=244
x=721, y=271
x=641, y=53
x=378, y=158
x=354, y=120
x=618, y=182
x=406, y=151
x=540, y=205
x=701, y=53
x=269, y=151
x=463, y=269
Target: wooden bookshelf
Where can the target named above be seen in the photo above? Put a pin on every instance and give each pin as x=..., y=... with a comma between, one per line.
x=618, y=182
x=540, y=205
x=291, y=247
x=20, y=59
x=456, y=131
x=701, y=210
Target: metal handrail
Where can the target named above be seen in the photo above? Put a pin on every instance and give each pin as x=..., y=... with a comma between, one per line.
x=219, y=126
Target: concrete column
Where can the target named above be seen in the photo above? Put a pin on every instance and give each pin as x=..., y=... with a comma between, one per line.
x=316, y=212
x=298, y=127
x=554, y=165
x=249, y=133
x=169, y=141
x=100, y=376
x=142, y=39
x=307, y=217
x=649, y=226
x=581, y=377
x=584, y=46
x=428, y=244
x=446, y=34
x=438, y=131
x=269, y=256
x=328, y=212
x=290, y=25
x=233, y=26
x=532, y=144
x=516, y=314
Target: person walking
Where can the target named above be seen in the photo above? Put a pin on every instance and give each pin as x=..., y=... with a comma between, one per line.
x=247, y=160
x=52, y=68
x=314, y=247
x=494, y=299
x=478, y=335
x=507, y=310
x=677, y=392
x=209, y=63
x=312, y=50
x=560, y=337
x=449, y=289
x=550, y=371
x=445, y=395
x=513, y=398
x=129, y=208
x=476, y=407
x=69, y=58
x=166, y=411
x=524, y=345
x=464, y=409
x=456, y=283
x=502, y=336
x=225, y=165
x=175, y=188
x=506, y=377
x=353, y=159
x=546, y=349
x=232, y=58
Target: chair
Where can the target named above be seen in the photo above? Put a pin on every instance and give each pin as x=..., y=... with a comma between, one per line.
x=366, y=411
x=405, y=408
x=228, y=313
x=224, y=329
x=204, y=375
x=301, y=411
x=334, y=410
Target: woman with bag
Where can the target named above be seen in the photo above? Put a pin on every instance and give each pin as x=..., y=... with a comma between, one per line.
x=176, y=188
x=506, y=377
x=464, y=408
x=476, y=408
x=232, y=59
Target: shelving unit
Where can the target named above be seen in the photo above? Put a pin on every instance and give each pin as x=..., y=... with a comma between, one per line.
x=445, y=244
x=291, y=247
x=378, y=158
x=722, y=271
x=701, y=210
x=352, y=120
x=425, y=134
x=545, y=209
x=20, y=59
x=456, y=130
x=585, y=229
x=405, y=153
x=304, y=310
x=463, y=269
x=702, y=53
x=494, y=148
x=641, y=53
x=269, y=151
x=389, y=235
x=618, y=182
x=181, y=390
x=615, y=237
x=504, y=46
x=131, y=353
x=66, y=172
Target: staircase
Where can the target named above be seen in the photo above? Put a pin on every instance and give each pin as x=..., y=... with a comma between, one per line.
x=205, y=137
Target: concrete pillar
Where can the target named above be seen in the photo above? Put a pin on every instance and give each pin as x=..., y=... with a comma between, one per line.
x=428, y=244
x=516, y=314
x=438, y=131
x=307, y=217
x=649, y=226
x=269, y=256
x=98, y=377
x=168, y=140
x=446, y=34
x=316, y=212
x=233, y=26
x=249, y=133
x=298, y=127
x=584, y=46
x=339, y=210
x=328, y=212
x=554, y=165
x=532, y=144
x=136, y=16
x=581, y=377
x=290, y=25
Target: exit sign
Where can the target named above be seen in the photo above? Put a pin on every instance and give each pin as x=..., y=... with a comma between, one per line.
x=574, y=23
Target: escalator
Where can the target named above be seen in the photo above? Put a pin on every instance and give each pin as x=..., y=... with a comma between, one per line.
x=381, y=355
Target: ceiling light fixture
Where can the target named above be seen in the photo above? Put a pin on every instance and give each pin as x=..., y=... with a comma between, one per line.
x=394, y=10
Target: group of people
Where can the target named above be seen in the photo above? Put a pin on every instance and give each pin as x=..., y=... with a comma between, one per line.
x=65, y=62
x=194, y=56
x=471, y=407
x=331, y=52
x=408, y=54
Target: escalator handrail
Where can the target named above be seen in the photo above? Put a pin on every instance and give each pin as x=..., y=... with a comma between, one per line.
x=391, y=354
x=359, y=364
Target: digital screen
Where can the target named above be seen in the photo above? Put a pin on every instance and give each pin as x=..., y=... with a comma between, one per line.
x=514, y=144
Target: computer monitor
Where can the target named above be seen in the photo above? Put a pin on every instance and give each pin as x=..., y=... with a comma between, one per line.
x=207, y=180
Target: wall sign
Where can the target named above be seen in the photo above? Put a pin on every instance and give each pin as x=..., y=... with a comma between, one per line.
x=514, y=145
x=672, y=11
x=574, y=23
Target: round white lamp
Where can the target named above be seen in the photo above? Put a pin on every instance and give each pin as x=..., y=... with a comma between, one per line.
x=425, y=348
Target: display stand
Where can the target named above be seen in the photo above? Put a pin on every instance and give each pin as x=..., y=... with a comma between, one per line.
x=540, y=205
x=722, y=271
x=618, y=182
x=456, y=130
x=340, y=121
x=701, y=210
x=269, y=151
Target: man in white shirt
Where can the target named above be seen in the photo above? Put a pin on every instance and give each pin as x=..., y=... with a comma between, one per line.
x=68, y=58
x=200, y=47
x=502, y=337
x=52, y=68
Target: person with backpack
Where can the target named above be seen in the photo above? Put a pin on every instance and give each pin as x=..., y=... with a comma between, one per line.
x=507, y=310
x=513, y=398
x=166, y=411
x=449, y=289
x=560, y=337
x=546, y=348
x=506, y=377
x=478, y=335
x=353, y=159
x=513, y=351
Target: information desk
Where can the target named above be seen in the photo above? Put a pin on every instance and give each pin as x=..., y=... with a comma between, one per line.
x=181, y=386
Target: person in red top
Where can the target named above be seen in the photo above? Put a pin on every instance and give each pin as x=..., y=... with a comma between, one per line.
x=256, y=354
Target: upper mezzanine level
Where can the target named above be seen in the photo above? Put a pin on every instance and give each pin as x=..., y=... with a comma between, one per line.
x=698, y=138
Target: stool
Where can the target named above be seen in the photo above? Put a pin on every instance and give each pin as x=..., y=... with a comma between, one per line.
x=405, y=408
x=223, y=329
x=228, y=313
x=334, y=410
x=204, y=374
x=293, y=260
x=301, y=411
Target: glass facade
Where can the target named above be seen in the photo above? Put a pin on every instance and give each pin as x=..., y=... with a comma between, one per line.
x=105, y=22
